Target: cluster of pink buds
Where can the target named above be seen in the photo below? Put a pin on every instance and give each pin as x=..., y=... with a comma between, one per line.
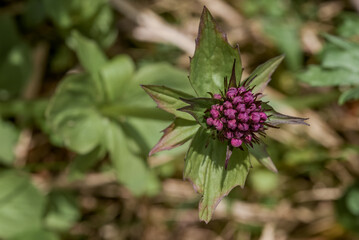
x=238, y=116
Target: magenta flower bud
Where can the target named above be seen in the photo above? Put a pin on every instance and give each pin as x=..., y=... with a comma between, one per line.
x=235, y=142
x=232, y=124
x=241, y=89
x=227, y=104
x=228, y=134
x=238, y=134
x=252, y=107
x=218, y=124
x=263, y=116
x=232, y=92
x=241, y=107
x=248, y=97
x=248, y=138
x=237, y=100
x=214, y=113
x=230, y=113
x=215, y=107
x=243, y=127
x=209, y=121
x=256, y=117
x=217, y=96
x=256, y=127
x=243, y=117
x=223, y=120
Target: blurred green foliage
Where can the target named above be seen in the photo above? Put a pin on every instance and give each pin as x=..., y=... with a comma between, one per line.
x=80, y=36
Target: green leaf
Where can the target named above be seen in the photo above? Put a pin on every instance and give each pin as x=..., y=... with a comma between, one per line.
x=176, y=134
x=285, y=35
x=340, y=53
x=62, y=212
x=204, y=167
x=168, y=99
x=347, y=210
x=213, y=58
x=21, y=204
x=263, y=181
x=351, y=94
x=67, y=13
x=130, y=166
x=72, y=114
x=90, y=55
x=157, y=74
x=198, y=108
x=15, y=60
x=317, y=76
x=36, y=235
x=8, y=137
x=82, y=163
x=115, y=76
x=260, y=153
x=349, y=25
x=262, y=74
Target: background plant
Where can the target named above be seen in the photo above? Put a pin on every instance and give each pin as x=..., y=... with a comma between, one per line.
x=51, y=190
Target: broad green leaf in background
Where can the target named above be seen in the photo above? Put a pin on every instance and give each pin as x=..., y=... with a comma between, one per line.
x=21, y=204
x=9, y=135
x=204, y=167
x=62, y=211
x=213, y=58
x=115, y=75
x=263, y=181
x=92, y=18
x=72, y=115
x=90, y=111
x=349, y=25
x=317, y=76
x=81, y=164
x=285, y=35
x=36, y=235
x=347, y=208
x=90, y=55
x=340, y=53
x=339, y=67
x=351, y=94
x=130, y=167
x=15, y=60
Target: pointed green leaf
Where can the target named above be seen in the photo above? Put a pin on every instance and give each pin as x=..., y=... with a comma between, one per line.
x=275, y=118
x=261, y=154
x=115, y=76
x=176, y=134
x=317, y=76
x=213, y=58
x=351, y=94
x=168, y=99
x=263, y=73
x=130, y=167
x=198, y=108
x=89, y=53
x=204, y=167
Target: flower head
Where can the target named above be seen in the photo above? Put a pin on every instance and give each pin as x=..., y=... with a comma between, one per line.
x=227, y=125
